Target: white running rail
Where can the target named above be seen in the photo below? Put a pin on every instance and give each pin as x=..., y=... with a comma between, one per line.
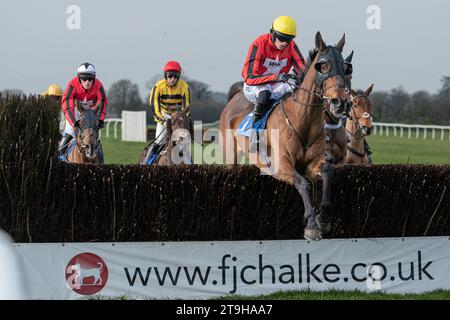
x=108, y=123
x=411, y=130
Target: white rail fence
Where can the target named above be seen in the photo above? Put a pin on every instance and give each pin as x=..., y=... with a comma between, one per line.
x=114, y=122
x=411, y=130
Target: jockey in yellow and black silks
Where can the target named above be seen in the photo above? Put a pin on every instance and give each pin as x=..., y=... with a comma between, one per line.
x=167, y=94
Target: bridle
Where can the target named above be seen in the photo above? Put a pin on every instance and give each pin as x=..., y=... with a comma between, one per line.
x=355, y=119
x=319, y=92
x=81, y=135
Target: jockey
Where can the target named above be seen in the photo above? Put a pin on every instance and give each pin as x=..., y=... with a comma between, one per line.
x=88, y=93
x=169, y=92
x=269, y=60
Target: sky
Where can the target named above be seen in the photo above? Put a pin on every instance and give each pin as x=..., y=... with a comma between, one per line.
x=405, y=44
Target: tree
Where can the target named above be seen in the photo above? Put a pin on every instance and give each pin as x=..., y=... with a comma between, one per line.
x=16, y=92
x=445, y=89
x=124, y=95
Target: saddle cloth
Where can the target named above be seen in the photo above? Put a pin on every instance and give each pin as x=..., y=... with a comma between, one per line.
x=247, y=126
x=154, y=157
x=69, y=150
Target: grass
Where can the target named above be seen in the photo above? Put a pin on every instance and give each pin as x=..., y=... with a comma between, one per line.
x=317, y=295
x=344, y=295
x=121, y=152
x=403, y=150
x=385, y=150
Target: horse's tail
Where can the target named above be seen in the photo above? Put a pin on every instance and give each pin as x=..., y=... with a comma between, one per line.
x=235, y=88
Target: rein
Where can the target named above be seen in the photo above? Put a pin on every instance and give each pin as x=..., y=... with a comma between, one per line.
x=305, y=145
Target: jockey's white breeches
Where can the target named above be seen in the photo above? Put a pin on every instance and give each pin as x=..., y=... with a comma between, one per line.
x=277, y=90
x=69, y=129
x=161, y=131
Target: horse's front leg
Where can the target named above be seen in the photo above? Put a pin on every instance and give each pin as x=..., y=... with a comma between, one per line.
x=327, y=173
x=288, y=174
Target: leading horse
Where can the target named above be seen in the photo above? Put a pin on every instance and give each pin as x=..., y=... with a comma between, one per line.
x=301, y=156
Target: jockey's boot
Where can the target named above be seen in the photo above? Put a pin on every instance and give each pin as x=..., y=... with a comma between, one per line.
x=259, y=110
x=368, y=151
x=62, y=147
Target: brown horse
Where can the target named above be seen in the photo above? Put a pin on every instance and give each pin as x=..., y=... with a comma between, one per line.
x=358, y=126
x=336, y=135
x=299, y=154
x=87, y=148
x=177, y=141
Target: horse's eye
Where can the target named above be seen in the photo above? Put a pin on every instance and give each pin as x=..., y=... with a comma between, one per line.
x=323, y=66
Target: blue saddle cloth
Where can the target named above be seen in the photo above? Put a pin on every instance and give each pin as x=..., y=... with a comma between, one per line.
x=69, y=150
x=154, y=157
x=247, y=126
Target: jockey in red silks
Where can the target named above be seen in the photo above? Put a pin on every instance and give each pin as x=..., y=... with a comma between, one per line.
x=86, y=91
x=269, y=60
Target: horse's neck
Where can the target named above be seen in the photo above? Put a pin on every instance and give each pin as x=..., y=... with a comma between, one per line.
x=168, y=149
x=352, y=128
x=308, y=112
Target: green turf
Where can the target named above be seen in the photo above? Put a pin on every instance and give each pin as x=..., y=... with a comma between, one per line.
x=403, y=150
x=344, y=295
x=385, y=150
x=318, y=295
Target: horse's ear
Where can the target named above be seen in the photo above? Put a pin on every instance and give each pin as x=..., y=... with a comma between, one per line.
x=340, y=44
x=349, y=58
x=353, y=93
x=369, y=90
x=320, y=44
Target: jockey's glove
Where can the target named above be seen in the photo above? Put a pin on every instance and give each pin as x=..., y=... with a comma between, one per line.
x=293, y=79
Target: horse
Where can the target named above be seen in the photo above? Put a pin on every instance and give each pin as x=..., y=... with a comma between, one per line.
x=358, y=126
x=301, y=156
x=336, y=135
x=87, y=147
x=176, y=141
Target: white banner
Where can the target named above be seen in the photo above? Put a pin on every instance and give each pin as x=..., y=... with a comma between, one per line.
x=197, y=270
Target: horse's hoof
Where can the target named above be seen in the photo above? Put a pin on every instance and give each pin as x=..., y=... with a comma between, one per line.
x=323, y=227
x=312, y=234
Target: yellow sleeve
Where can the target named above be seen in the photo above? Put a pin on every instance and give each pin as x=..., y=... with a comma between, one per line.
x=155, y=104
x=187, y=100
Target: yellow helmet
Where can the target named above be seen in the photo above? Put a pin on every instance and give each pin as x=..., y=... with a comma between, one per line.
x=54, y=90
x=285, y=25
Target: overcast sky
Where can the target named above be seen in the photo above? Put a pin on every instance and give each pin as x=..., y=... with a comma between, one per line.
x=133, y=39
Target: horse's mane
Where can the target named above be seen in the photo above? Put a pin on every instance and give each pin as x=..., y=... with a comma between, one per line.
x=89, y=116
x=359, y=92
x=311, y=56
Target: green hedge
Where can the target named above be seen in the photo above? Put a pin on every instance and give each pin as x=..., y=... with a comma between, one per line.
x=28, y=134
x=45, y=201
